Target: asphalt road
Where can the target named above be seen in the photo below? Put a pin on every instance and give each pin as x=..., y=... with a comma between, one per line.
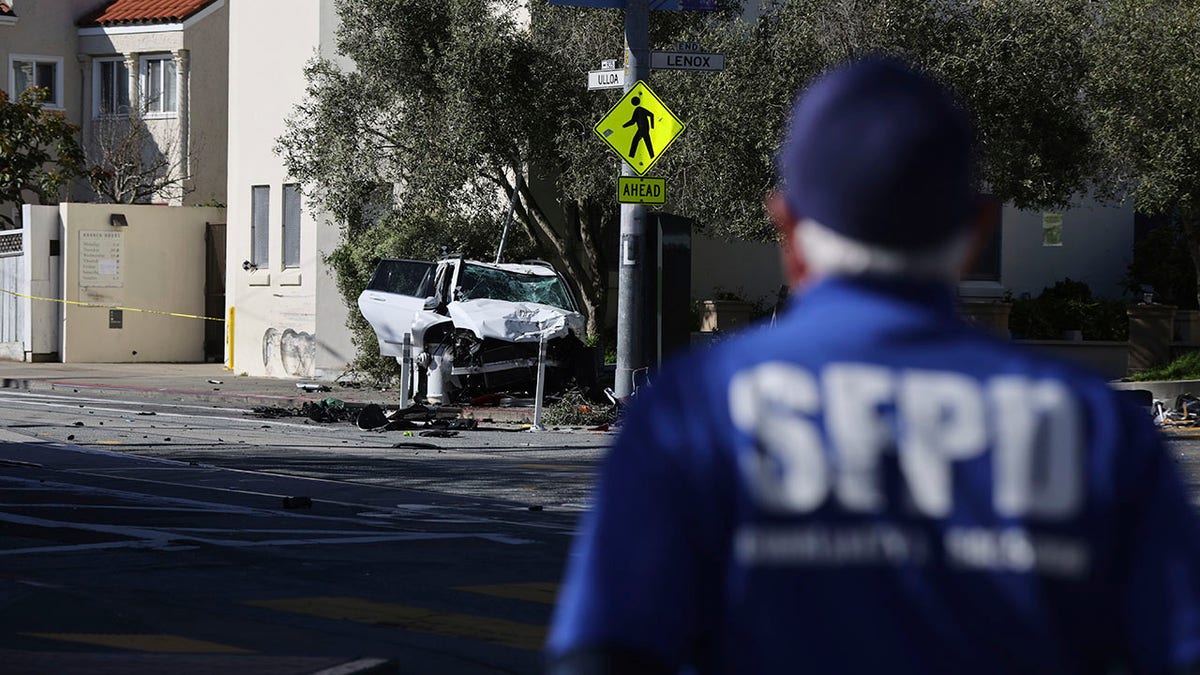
x=126, y=532
x=151, y=529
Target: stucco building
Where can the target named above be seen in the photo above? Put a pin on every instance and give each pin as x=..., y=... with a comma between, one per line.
x=289, y=320
x=107, y=64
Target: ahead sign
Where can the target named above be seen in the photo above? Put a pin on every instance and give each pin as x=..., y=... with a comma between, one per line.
x=686, y=61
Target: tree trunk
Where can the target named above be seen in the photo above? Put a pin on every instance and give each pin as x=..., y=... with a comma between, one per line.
x=574, y=252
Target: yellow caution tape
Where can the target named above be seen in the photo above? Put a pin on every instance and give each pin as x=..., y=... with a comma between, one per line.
x=99, y=306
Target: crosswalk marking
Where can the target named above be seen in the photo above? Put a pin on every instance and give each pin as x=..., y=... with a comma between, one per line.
x=172, y=644
x=545, y=592
x=513, y=634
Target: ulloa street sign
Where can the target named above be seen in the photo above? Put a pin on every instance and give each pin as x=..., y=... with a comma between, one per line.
x=606, y=79
x=639, y=190
x=686, y=61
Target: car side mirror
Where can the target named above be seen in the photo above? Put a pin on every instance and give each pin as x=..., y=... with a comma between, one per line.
x=431, y=302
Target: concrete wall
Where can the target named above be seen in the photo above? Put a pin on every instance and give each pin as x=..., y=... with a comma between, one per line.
x=748, y=269
x=1097, y=244
x=155, y=263
x=288, y=322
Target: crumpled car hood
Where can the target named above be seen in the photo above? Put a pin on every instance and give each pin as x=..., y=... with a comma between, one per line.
x=514, y=321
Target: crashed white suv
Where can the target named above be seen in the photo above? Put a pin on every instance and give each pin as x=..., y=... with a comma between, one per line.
x=475, y=326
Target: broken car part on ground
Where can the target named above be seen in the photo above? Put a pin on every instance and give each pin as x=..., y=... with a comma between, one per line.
x=475, y=327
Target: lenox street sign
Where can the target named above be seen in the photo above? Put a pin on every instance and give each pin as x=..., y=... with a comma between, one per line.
x=606, y=79
x=686, y=61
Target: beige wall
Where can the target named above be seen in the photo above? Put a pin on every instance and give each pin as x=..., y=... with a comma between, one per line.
x=287, y=321
x=161, y=268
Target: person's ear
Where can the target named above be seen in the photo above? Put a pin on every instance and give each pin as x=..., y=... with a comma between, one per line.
x=785, y=221
x=983, y=225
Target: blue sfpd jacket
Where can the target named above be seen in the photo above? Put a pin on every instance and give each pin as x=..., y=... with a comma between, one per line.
x=873, y=486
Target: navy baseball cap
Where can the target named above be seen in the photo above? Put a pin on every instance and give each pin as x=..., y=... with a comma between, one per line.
x=880, y=153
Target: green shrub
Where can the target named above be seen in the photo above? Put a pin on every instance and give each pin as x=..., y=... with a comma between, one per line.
x=1186, y=367
x=1065, y=306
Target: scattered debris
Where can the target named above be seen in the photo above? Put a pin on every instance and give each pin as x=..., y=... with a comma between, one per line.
x=1185, y=413
x=71, y=437
x=297, y=502
x=271, y=412
x=438, y=433
x=415, y=444
x=79, y=424
x=147, y=413
x=371, y=417
x=215, y=382
x=536, y=507
x=326, y=411
x=576, y=410
x=312, y=386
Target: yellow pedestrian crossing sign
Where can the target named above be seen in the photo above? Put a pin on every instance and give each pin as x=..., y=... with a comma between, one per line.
x=639, y=128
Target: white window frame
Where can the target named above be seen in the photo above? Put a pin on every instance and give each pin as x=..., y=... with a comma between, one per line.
x=96, y=112
x=144, y=82
x=58, y=103
x=297, y=227
x=260, y=256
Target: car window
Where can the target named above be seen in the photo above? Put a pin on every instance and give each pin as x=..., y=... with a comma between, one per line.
x=403, y=277
x=477, y=281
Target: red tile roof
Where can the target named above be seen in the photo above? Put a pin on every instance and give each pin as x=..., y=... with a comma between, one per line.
x=5, y=10
x=126, y=12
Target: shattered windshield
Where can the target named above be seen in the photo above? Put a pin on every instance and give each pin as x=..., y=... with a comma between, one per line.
x=477, y=281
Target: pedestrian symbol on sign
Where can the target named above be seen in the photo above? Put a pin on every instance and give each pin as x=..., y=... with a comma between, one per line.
x=639, y=128
x=644, y=120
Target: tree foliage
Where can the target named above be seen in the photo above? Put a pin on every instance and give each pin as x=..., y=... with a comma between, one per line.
x=435, y=112
x=39, y=153
x=129, y=165
x=1144, y=96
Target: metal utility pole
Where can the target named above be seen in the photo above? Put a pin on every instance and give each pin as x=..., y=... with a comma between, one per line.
x=631, y=318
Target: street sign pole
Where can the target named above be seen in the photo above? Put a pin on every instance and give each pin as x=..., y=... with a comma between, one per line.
x=631, y=319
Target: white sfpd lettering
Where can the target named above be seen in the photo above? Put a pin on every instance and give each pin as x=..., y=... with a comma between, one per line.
x=1032, y=426
x=776, y=401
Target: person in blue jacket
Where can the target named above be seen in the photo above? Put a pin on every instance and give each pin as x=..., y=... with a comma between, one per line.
x=873, y=485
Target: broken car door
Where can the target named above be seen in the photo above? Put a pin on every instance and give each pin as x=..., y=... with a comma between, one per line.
x=395, y=296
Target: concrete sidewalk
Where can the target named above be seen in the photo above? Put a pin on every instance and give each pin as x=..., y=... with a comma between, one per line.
x=208, y=383
x=188, y=381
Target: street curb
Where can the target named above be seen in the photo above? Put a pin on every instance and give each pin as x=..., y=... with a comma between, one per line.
x=184, y=394
x=494, y=414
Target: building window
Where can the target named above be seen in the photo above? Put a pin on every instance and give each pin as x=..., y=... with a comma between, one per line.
x=1052, y=229
x=260, y=225
x=291, y=225
x=111, y=88
x=158, y=84
x=37, y=71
